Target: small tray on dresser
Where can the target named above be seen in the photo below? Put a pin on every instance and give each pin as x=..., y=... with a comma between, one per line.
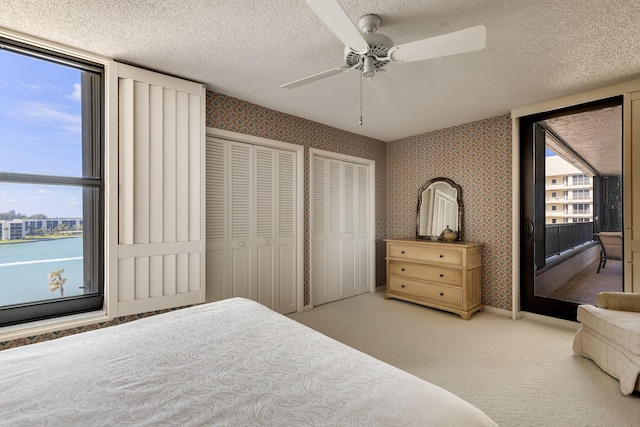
x=447, y=276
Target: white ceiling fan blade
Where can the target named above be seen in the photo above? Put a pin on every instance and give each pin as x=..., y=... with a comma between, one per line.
x=315, y=77
x=339, y=23
x=462, y=41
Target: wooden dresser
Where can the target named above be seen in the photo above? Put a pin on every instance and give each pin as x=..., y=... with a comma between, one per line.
x=447, y=276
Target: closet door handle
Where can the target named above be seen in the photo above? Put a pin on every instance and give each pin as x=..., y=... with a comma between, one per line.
x=241, y=244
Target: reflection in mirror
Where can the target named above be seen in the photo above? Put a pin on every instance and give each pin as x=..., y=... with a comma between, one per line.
x=439, y=207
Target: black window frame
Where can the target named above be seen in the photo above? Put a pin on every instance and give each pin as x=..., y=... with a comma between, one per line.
x=92, y=182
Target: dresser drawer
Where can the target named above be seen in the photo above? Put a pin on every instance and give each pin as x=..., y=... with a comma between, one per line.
x=435, y=254
x=431, y=273
x=436, y=293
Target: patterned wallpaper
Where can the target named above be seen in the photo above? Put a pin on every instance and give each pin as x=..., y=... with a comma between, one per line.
x=71, y=331
x=477, y=156
x=224, y=112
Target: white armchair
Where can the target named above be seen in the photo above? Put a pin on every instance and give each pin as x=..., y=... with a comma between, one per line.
x=610, y=336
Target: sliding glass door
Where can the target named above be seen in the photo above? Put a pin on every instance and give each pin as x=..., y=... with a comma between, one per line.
x=571, y=190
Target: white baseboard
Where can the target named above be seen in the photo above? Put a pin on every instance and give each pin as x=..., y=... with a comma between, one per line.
x=499, y=311
x=534, y=316
x=550, y=320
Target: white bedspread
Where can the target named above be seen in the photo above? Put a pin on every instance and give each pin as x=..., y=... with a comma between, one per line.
x=233, y=362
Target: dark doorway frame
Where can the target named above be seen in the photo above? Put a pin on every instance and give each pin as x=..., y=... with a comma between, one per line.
x=532, y=159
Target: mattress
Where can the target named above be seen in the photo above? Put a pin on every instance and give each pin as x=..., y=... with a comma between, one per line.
x=232, y=362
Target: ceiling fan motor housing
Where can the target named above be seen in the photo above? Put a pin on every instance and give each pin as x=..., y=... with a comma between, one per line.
x=379, y=45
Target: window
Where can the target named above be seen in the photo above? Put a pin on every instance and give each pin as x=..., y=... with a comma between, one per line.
x=553, y=181
x=554, y=194
x=554, y=207
x=580, y=180
x=51, y=184
x=581, y=208
x=553, y=221
x=580, y=194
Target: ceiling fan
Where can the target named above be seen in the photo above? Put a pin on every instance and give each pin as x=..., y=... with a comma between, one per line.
x=368, y=51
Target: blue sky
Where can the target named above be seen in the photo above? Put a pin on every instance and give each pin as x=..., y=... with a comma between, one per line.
x=40, y=133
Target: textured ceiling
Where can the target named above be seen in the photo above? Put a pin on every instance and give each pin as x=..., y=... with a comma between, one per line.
x=536, y=50
x=595, y=136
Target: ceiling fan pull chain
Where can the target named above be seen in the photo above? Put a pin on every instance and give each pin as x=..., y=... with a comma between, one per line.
x=360, y=99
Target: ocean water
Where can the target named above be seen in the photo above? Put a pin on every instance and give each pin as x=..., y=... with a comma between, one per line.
x=24, y=269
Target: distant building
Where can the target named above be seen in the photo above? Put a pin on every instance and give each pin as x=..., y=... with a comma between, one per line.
x=568, y=193
x=16, y=229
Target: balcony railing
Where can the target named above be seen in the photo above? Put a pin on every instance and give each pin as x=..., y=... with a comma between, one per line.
x=562, y=237
x=562, y=214
x=562, y=201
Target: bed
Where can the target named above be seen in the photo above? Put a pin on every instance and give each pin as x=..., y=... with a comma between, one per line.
x=232, y=362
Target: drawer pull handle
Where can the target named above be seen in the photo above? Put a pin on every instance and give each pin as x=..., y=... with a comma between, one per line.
x=403, y=269
x=441, y=294
x=402, y=251
x=442, y=275
x=441, y=256
x=403, y=286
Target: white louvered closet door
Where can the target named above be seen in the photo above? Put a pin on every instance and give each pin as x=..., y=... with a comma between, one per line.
x=251, y=244
x=265, y=197
x=319, y=231
x=340, y=234
x=161, y=191
x=285, y=294
x=242, y=256
x=363, y=234
x=217, y=230
x=336, y=230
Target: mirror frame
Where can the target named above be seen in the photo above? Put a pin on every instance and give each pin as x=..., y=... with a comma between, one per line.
x=460, y=208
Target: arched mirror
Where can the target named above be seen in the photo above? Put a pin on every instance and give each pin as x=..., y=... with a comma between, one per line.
x=439, y=207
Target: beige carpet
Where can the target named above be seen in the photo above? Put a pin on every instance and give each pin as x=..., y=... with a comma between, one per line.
x=520, y=373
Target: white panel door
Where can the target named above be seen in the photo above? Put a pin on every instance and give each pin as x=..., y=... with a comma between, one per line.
x=160, y=191
x=340, y=238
